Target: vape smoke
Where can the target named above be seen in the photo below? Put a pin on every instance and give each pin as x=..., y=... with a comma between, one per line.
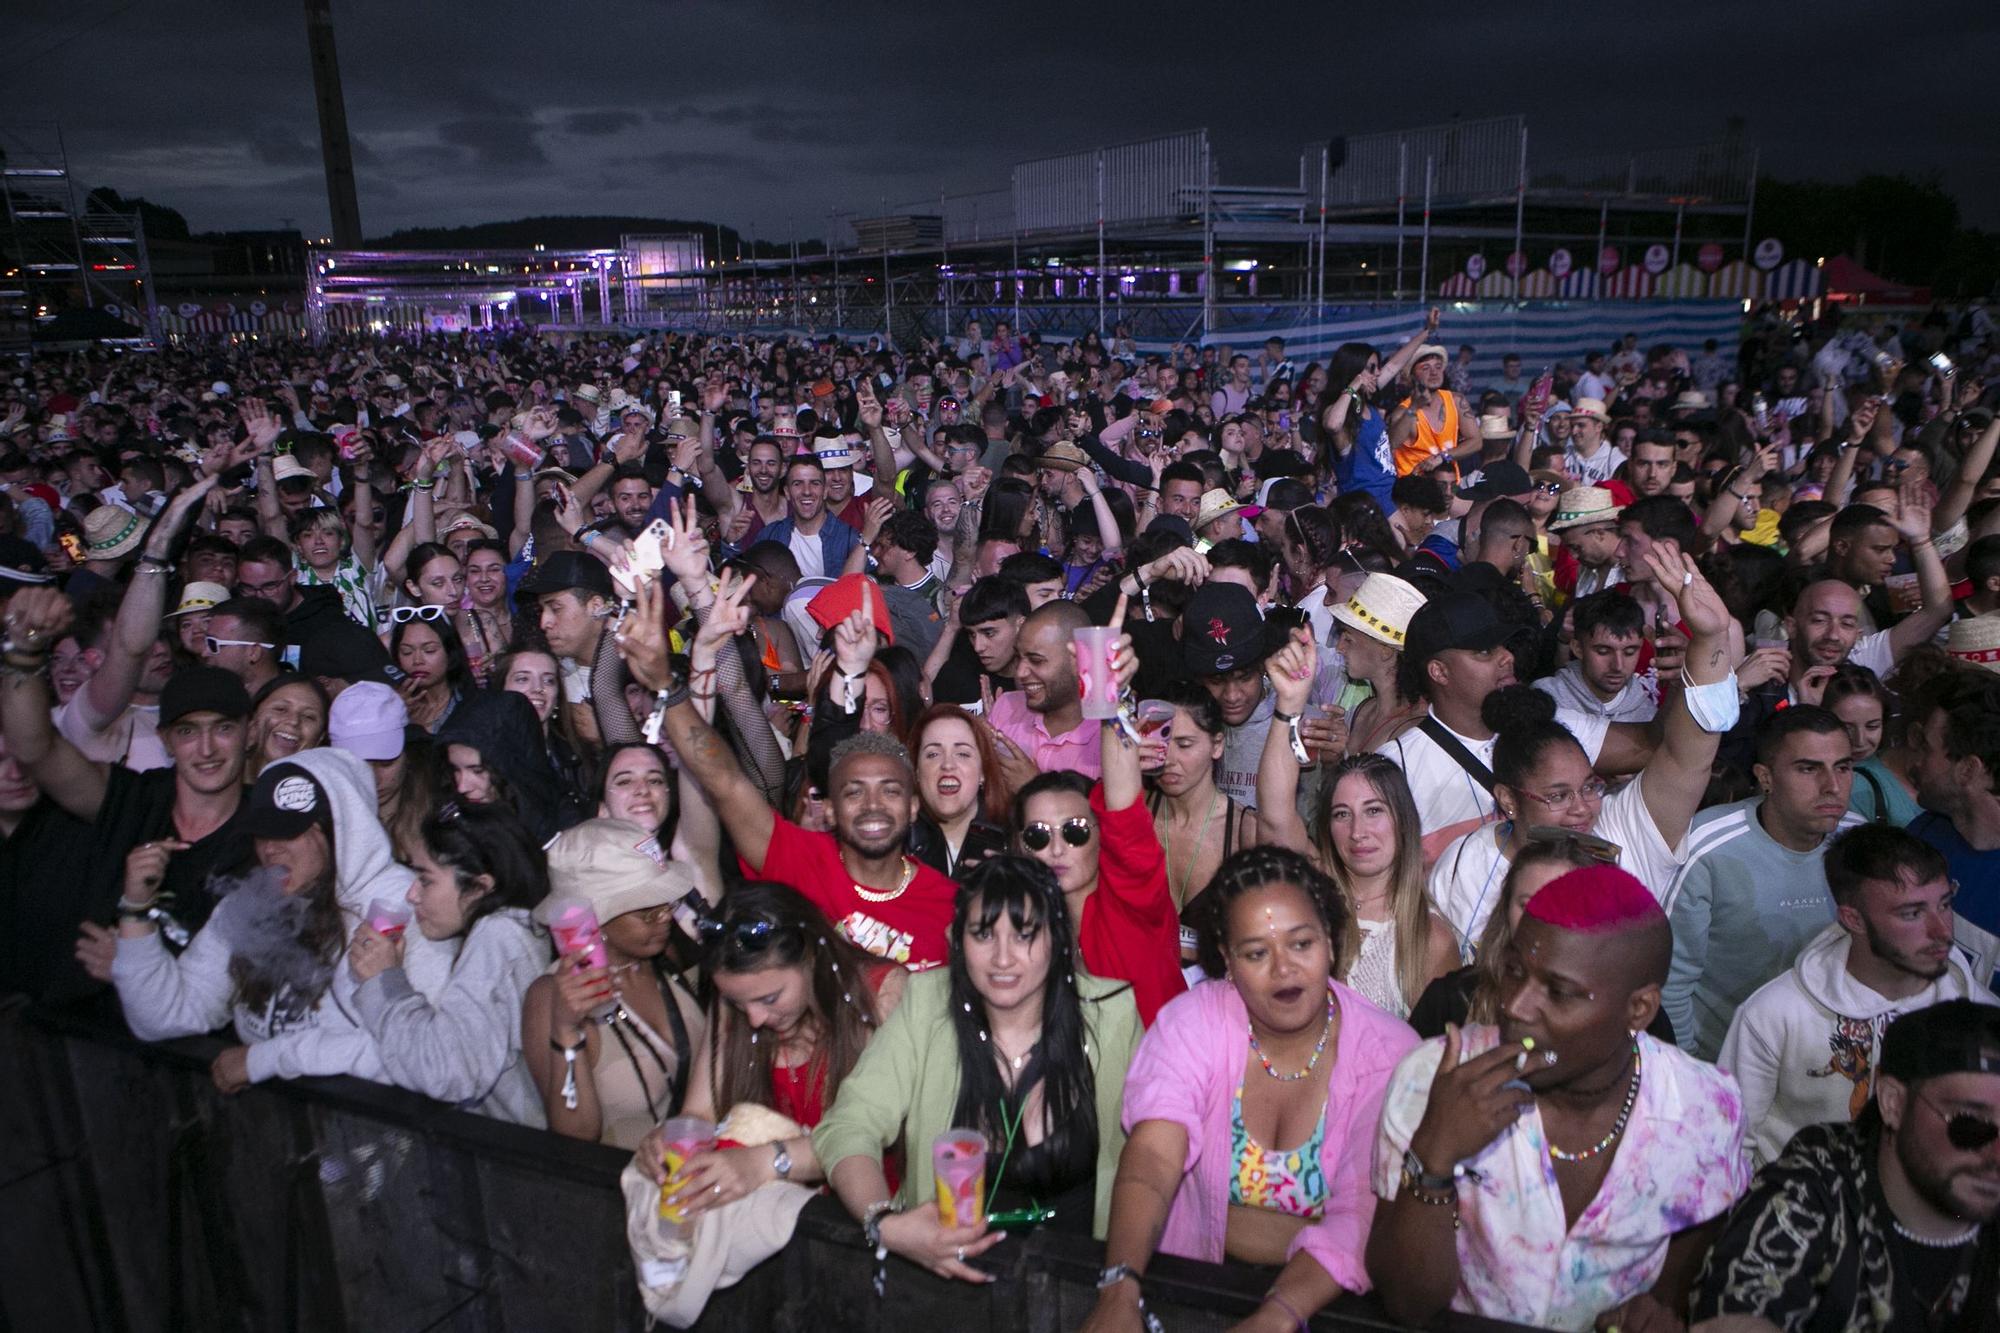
x=273, y=935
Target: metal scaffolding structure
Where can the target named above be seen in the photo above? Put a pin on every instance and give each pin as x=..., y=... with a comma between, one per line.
x=1143, y=234
x=59, y=252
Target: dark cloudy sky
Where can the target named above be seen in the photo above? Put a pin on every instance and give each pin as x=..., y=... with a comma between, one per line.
x=773, y=112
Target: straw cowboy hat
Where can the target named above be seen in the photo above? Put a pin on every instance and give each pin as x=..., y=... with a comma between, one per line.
x=1215, y=504
x=1063, y=456
x=111, y=533
x=1381, y=608
x=1592, y=408
x=197, y=597
x=1975, y=640
x=1581, y=505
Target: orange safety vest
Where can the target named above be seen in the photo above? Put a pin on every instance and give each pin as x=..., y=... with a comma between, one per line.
x=1430, y=440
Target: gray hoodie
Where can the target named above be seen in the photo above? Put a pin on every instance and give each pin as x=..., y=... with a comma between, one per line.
x=1804, y=1047
x=462, y=1044
x=166, y=996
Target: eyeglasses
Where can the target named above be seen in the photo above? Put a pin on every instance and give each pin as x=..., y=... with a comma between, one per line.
x=1037, y=836
x=1963, y=1130
x=216, y=645
x=1593, y=790
x=403, y=615
x=1549, y=487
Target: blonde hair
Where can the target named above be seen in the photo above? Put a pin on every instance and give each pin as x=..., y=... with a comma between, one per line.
x=1409, y=898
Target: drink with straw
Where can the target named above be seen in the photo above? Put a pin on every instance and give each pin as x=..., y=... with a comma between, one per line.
x=958, y=1167
x=685, y=1136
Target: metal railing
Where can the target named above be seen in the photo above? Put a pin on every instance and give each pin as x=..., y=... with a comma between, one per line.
x=1474, y=159
x=1145, y=181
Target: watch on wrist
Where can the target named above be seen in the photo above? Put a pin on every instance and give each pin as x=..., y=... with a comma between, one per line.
x=781, y=1161
x=1413, y=1167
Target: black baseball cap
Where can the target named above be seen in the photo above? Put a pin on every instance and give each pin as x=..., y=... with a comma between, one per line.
x=1453, y=620
x=1222, y=630
x=203, y=689
x=1505, y=477
x=563, y=571
x=1950, y=1037
x=286, y=802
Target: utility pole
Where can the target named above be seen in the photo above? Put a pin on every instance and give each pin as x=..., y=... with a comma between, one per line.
x=334, y=147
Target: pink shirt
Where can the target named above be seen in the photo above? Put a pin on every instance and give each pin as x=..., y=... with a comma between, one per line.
x=1187, y=1071
x=1078, y=749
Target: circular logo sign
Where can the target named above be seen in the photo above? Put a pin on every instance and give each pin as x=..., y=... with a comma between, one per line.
x=1560, y=263
x=1608, y=260
x=1475, y=266
x=188, y=309
x=295, y=795
x=257, y=308
x=1770, y=253
x=1657, y=258
x=1708, y=258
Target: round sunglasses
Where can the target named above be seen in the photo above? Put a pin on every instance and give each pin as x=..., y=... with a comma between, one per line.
x=1076, y=831
x=1963, y=1130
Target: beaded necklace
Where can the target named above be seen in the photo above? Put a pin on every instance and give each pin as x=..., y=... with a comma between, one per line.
x=1318, y=1050
x=1617, y=1126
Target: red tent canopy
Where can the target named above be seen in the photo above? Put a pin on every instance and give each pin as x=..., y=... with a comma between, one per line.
x=1844, y=280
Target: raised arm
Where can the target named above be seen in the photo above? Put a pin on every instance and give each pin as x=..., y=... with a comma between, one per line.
x=1674, y=781
x=1123, y=786
x=1290, y=670
x=1957, y=497
x=701, y=750
x=1399, y=360
x=104, y=696
x=1107, y=526
x=36, y=619
x=1913, y=521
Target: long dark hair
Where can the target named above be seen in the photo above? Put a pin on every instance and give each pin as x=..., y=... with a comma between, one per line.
x=761, y=925
x=457, y=666
x=1026, y=891
x=669, y=822
x=1349, y=360
x=1256, y=868
x=488, y=840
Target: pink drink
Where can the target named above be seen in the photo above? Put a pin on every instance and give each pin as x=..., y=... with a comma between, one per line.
x=524, y=453
x=574, y=926
x=958, y=1168
x=1155, y=716
x=389, y=917
x=1097, y=683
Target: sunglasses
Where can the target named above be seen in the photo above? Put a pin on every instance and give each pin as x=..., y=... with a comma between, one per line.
x=1963, y=1130
x=216, y=645
x=1549, y=487
x=743, y=935
x=403, y=615
x=1037, y=836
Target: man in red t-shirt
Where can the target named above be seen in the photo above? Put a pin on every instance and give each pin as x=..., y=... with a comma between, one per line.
x=887, y=903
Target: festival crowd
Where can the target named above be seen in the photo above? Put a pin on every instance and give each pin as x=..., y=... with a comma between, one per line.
x=1528, y=848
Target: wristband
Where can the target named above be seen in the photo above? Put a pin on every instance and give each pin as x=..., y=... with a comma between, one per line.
x=1298, y=1320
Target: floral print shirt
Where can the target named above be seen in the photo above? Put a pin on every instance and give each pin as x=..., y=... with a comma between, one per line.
x=1679, y=1163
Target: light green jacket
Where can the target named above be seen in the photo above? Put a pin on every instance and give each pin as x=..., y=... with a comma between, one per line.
x=906, y=1084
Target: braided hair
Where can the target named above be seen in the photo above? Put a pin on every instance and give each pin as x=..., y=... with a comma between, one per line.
x=1255, y=868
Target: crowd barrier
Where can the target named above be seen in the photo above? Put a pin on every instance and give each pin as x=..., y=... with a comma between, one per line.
x=134, y=1196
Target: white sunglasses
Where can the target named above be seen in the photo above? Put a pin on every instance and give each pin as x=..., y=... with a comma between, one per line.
x=403, y=615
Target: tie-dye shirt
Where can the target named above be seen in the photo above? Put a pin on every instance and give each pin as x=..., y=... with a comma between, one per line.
x=1679, y=1164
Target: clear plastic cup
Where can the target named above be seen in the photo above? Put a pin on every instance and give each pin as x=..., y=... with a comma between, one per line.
x=1096, y=682
x=958, y=1169
x=1155, y=717
x=574, y=927
x=683, y=1137
x=389, y=917
x=524, y=453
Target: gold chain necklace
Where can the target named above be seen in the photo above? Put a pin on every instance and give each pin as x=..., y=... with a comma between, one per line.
x=879, y=895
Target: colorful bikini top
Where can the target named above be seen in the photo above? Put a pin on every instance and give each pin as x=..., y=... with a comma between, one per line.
x=1291, y=1182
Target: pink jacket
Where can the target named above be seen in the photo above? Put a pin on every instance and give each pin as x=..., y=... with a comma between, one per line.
x=1186, y=1072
